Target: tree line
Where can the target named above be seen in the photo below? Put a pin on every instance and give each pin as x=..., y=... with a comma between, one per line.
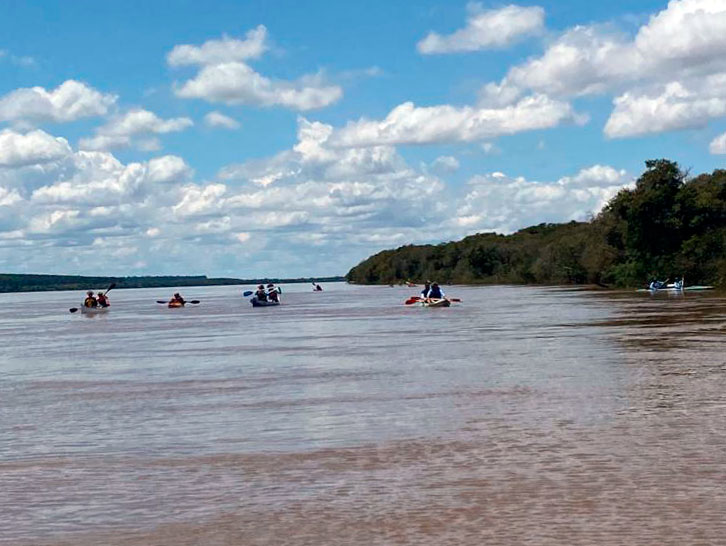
x=10, y=282
x=669, y=225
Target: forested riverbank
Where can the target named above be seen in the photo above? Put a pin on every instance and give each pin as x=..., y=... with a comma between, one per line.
x=669, y=225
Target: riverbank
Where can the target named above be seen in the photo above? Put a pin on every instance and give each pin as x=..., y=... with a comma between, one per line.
x=10, y=282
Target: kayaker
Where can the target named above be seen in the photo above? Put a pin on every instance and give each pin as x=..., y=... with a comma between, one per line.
x=436, y=293
x=318, y=288
x=426, y=289
x=90, y=300
x=273, y=294
x=102, y=300
x=177, y=299
x=657, y=285
x=261, y=295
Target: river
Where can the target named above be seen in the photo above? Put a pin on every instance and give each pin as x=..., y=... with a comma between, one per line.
x=523, y=415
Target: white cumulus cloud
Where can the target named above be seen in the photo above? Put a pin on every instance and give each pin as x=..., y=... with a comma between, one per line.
x=220, y=51
x=445, y=164
x=673, y=107
x=662, y=75
x=411, y=124
x=224, y=77
x=487, y=29
x=69, y=101
x=219, y=120
x=497, y=202
x=119, y=131
x=34, y=147
x=718, y=145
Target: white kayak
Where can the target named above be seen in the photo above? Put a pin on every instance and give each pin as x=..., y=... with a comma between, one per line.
x=94, y=310
x=430, y=302
x=694, y=288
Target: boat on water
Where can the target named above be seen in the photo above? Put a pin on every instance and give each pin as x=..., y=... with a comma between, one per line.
x=94, y=310
x=258, y=303
x=676, y=289
x=429, y=302
x=174, y=304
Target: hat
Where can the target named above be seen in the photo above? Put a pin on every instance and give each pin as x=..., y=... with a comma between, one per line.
x=89, y=293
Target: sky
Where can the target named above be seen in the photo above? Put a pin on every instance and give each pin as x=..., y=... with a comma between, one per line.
x=287, y=138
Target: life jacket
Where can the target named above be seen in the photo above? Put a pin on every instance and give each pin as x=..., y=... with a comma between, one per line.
x=435, y=293
x=103, y=301
x=90, y=301
x=426, y=291
x=261, y=295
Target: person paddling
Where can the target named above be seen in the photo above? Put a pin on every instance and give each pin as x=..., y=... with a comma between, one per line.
x=102, y=300
x=177, y=299
x=426, y=290
x=90, y=300
x=436, y=293
x=261, y=294
x=273, y=293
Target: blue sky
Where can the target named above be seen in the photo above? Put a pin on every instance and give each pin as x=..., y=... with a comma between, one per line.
x=297, y=138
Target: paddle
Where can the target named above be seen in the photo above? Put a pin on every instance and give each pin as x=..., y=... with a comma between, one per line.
x=110, y=287
x=192, y=302
x=247, y=293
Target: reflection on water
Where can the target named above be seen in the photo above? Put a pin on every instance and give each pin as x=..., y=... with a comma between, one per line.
x=522, y=416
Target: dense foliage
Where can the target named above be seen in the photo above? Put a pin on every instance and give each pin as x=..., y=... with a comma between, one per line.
x=666, y=226
x=34, y=283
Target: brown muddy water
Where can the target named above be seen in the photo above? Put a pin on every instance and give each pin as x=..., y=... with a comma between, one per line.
x=521, y=416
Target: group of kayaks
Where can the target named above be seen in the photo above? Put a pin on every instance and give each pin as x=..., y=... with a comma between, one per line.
x=268, y=298
x=653, y=287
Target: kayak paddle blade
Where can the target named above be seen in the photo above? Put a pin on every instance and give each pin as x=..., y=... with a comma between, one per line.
x=247, y=293
x=73, y=309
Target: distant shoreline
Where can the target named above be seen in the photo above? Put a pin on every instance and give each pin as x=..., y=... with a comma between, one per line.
x=10, y=282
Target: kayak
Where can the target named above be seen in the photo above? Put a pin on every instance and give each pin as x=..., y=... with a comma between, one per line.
x=694, y=288
x=257, y=303
x=435, y=303
x=94, y=310
x=175, y=304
